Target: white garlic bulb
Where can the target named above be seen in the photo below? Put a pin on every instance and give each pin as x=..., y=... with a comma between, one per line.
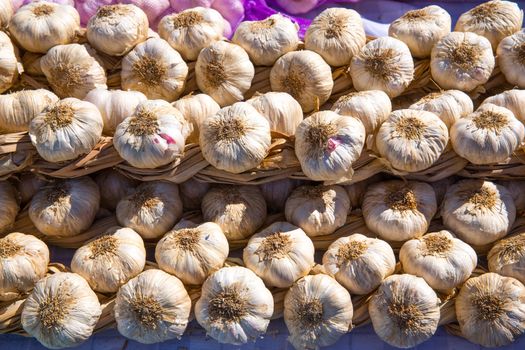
x=152, y=209
x=235, y=306
x=9, y=206
x=23, y=262
x=327, y=144
x=478, y=212
x=491, y=310
x=397, y=210
x=489, y=135
x=448, y=105
x=237, y=138
x=196, y=109
x=116, y=29
x=66, y=207
x=62, y=311
x=461, y=61
x=6, y=12
x=113, y=187
x=317, y=312
x=510, y=54
x=8, y=63
x=282, y=111
x=277, y=192
x=318, y=210
x=19, y=108
x=513, y=100
x=40, y=25
x=359, y=263
x=305, y=76
x=507, y=257
x=517, y=191
x=192, y=192
x=224, y=72
x=152, y=307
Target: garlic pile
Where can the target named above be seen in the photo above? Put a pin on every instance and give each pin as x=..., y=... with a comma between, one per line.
x=507, y=257
x=510, y=54
x=9, y=206
x=196, y=109
x=282, y=111
x=448, y=105
x=114, y=186
x=8, y=63
x=513, y=100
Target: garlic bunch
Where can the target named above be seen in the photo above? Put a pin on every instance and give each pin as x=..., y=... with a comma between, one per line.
x=281, y=110
x=152, y=209
x=327, y=144
x=116, y=29
x=359, y=263
x=152, y=307
x=62, y=311
x=448, y=105
x=6, y=12
x=9, y=206
x=66, y=130
x=478, y=212
x=489, y=135
x=196, y=109
x=444, y=261
x=397, y=210
x=66, y=207
x=23, y=261
x=38, y=26
x=277, y=192
x=224, y=72
x=510, y=54
x=235, y=306
x=235, y=139
x=383, y=64
x=507, y=257
x=28, y=185
x=267, y=40
x=317, y=312
x=461, y=61
x=491, y=310
x=513, y=100
x=8, y=63
x=318, y=210
x=238, y=210
x=19, y=108
x=412, y=140
x=192, y=192
x=113, y=187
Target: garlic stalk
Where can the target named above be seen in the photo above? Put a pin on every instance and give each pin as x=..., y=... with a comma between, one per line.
x=448, y=105
x=9, y=68
x=277, y=192
x=113, y=187
x=513, y=100
x=510, y=54
x=281, y=110
x=9, y=206
x=192, y=192
x=196, y=109
x=507, y=257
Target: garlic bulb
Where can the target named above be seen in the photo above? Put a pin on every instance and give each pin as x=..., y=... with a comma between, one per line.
x=235, y=139
x=6, y=12
x=224, y=72
x=493, y=19
x=489, y=135
x=8, y=63
x=19, y=108
x=196, y=109
x=318, y=210
x=305, y=76
x=517, y=191
x=317, y=312
x=510, y=54
x=192, y=192
x=412, y=140
x=461, y=61
x=28, y=185
x=113, y=187
x=152, y=209
x=478, y=212
x=359, y=263
x=192, y=254
x=66, y=207
x=235, y=306
x=277, y=192
x=281, y=110
x=327, y=144
x=444, y=261
x=62, y=311
x=116, y=29
x=114, y=106
x=192, y=30
x=9, y=206
x=421, y=29
x=448, y=105
x=66, y=130
x=507, y=257
x=397, y=210
x=513, y=100
x=383, y=64
x=404, y=311
x=491, y=310
x=39, y=26
x=152, y=307
x=23, y=261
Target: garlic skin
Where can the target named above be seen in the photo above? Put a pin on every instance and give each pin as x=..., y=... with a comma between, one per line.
x=383, y=64
x=461, y=61
x=8, y=63
x=39, y=26
x=62, y=311
x=404, y=311
x=397, y=210
x=277, y=192
x=224, y=71
x=23, y=262
x=510, y=53
x=491, y=310
x=6, y=12
x=478, y=212
x=281, y=110
x=152, y=307
x=192, y=192
x=17, y=109
x=235, y=307
x=318, y=210
x=196, y=109
x=151, y=210
x=359, y=263
x=116, y=29
x=448, y=105
x=113, y=187
x=267, y=40
x=317, y=312
x=513, y=100
x=238, y=210
x=192, y=254
x=489, y=135
x=507, y=257
x=305, y=76
x=235, y=139
x=9, y=206
x=297, y=6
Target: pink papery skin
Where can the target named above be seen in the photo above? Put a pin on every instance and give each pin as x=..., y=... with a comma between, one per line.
x=154, y=25
x=231, y=10
x=333, y=142
x=17, y=4
x=298, y=6
x=152, y=8
x=180, y=5
x=62, y=2
x=88, y=8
